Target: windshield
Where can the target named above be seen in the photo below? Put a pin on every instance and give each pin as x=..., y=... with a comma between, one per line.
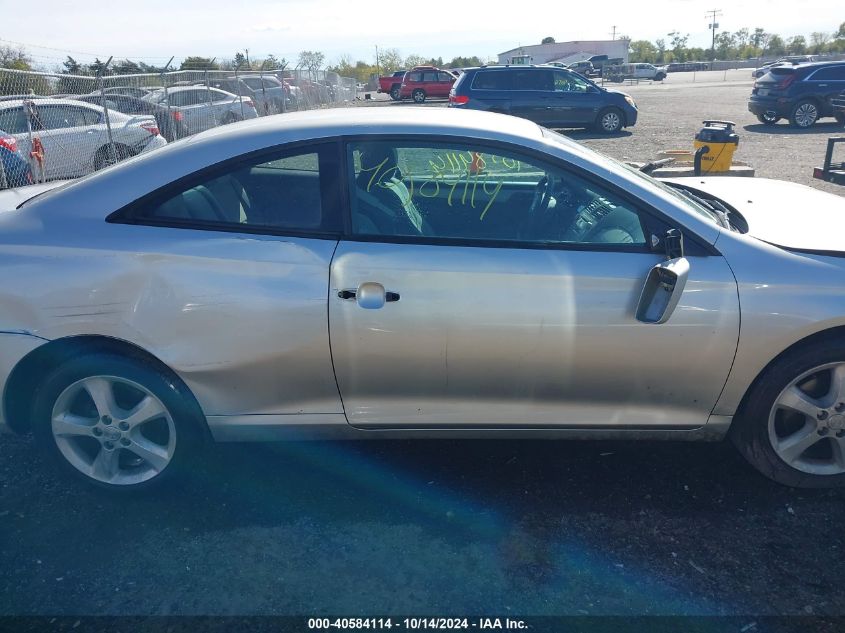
x=678, y=194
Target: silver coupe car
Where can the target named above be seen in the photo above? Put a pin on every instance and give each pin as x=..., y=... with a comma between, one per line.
x=374, y=272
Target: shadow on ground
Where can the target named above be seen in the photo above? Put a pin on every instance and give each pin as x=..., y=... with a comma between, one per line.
x=426, y=527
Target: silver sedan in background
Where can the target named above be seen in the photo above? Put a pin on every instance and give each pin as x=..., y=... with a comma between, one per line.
x=372, y=273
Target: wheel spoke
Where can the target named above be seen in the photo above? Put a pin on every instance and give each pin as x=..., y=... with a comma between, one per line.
x=106, y=464
x=156, y=456
x=796, y=400
x=838, y=448
x=100, y=390
x=793, y=446
x=836, y=393
x=148, y=409
x=70, y=424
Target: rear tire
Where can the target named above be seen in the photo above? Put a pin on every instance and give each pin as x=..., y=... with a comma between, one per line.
x=418, y=95
x=791, y=425
x=117, y=423
x=804, y=114
x=394, y=93
x=610, y=121
x=103, y=158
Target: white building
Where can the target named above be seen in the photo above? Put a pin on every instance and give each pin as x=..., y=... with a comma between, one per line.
x=565, y=52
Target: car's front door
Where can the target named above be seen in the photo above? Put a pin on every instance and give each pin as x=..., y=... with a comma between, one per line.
x=573, y=101
x=483, y=288
x=531, y=92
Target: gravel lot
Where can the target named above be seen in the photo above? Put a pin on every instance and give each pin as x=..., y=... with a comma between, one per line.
x=450, y=527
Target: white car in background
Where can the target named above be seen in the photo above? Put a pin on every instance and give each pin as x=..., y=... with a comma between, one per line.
x=203, y=108
x=74, y=135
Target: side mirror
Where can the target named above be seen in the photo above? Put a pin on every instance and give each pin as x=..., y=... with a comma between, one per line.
x=662, y=290
x=665, y=282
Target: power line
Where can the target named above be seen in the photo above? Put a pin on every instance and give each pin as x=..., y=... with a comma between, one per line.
x=712, y=15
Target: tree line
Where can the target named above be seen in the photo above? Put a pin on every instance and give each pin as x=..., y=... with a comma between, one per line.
x=742, y=44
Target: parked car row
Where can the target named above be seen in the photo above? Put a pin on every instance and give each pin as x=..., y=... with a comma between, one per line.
x=802, y=93
x=419, y=83
x=782, y=61
x=69, y=137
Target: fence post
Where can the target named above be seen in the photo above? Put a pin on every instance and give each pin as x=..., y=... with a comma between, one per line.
x=263, y=89
x=238, y=84
x=4, y=182
x=100, y=73
x=170, y=120
x=208, y=92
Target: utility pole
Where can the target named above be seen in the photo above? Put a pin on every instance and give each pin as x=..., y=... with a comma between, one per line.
x=378, y=71
x=613, y=33
x=712, y=15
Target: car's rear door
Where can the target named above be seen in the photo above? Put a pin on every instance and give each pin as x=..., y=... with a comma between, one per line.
x=72, y=136
x=457, y=302
x=237, y=263
x=531, y=90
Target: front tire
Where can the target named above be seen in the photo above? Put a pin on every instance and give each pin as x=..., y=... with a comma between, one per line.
x=610, y=121
x=804, y=114
x=791, y=426
x=116, y=422
x=418, y=95
x=768, y=119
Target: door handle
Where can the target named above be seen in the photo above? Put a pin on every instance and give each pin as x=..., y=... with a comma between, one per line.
x=369, y=295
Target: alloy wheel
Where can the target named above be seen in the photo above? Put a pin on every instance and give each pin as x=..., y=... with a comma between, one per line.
x=806, y=115
x=610, y=121
x=113, y=430
x=807, y=421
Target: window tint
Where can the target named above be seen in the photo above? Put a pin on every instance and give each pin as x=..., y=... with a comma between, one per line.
x=569, y=82
x=13, y=121
x=429, y=76
x=414, y=77
x=532, y=80
x=491, y=80
x=59, y=117
x=834, y=73
x=470, y=193
x=445, y=77
x=282, y=192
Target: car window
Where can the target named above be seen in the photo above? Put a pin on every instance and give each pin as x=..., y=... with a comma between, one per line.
x=467, y=192
x=269, y=83
x=833, y=73
x=445, y=77
x=569, y=82
x=218, y=95
x=13, y=121
x=532, y=80
x=491, y=80
x=59, y=117
x=415, y=77
x=429, y=76
x=281, y=193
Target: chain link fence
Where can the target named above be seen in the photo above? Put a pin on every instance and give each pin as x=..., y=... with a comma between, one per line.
x=57, y=126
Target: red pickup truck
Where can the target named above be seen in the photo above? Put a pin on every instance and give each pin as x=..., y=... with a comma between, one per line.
x=390, y=84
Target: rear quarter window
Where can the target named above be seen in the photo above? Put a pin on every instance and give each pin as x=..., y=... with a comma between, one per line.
x=491, y=80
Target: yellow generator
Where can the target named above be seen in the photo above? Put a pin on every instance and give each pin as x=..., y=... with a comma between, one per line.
x=721, y=142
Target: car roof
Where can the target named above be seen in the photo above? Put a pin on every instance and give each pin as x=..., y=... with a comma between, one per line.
x=46, y=101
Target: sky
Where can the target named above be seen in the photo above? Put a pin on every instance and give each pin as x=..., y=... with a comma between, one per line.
x=153, y=30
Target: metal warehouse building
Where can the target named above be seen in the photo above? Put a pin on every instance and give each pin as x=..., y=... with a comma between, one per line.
x=565, y=52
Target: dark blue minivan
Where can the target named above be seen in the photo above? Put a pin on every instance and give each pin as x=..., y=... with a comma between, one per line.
x=551, y=96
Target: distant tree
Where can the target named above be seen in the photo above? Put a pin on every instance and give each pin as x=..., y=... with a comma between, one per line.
x=194, y=62
x=15, y=58
x=660, y=44
x=239, y=60
x=98, y=67
x=415, y=60
x=465, y=62
x=678, y=43
x=71, y=66
x=13, y=83
x=642, y=51
x=759, y=38
x=312, y=61
x=796, y=45
x=725, y=45
x=271, y=63
x=840, y=34
x=390, y=60
x=548, y=40
x=818, y=41
x=742, y=38
x=775, y=46
x=126, y=67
